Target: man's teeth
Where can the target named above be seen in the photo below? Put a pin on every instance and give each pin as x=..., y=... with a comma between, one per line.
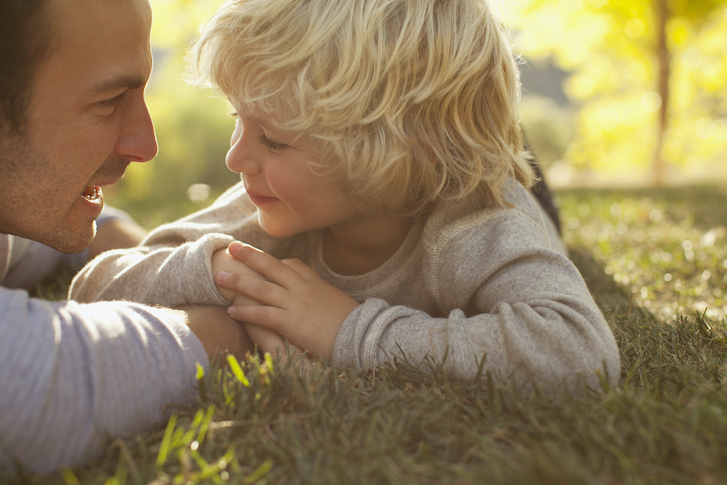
x=92, y=193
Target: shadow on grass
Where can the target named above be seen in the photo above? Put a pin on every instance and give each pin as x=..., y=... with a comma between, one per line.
x=611, y=298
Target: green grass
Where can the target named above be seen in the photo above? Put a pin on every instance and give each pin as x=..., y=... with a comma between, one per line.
x=668, y=248
x=666, y=421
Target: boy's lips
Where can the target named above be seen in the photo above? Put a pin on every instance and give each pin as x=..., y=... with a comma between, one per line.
x=258, y=196
x=259, y=199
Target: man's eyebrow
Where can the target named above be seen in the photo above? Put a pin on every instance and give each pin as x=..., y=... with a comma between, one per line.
x=125, y=82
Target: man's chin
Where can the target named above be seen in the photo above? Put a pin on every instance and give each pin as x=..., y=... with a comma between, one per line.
x=72, y=240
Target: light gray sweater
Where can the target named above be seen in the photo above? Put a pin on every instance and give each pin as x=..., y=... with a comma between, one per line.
x=72, y=376
x=466, y=284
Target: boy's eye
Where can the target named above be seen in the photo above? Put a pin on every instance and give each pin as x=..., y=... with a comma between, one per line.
x=273, y=145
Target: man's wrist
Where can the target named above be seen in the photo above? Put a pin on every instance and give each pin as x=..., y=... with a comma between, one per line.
x=218, y=333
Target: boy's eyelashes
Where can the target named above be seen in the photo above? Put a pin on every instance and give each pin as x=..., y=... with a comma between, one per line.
x=273, y=145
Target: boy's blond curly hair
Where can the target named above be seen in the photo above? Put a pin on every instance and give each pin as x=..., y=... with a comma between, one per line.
x=417, y=98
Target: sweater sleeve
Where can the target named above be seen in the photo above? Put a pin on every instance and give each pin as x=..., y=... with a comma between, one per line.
x=74, y=375
x=504, y=295
x=173, y=265
x=159, y=274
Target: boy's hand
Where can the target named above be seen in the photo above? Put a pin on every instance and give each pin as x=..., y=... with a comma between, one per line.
x=294, y=301
x=264, y=339
x=222, y=260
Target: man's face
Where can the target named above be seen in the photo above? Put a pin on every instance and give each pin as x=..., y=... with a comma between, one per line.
x=86, y=122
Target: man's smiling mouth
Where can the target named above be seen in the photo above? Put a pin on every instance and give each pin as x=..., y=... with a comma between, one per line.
x=92, y=193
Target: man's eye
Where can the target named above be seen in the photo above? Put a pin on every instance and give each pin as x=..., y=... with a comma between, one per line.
x=112, y=102
x=275, y=146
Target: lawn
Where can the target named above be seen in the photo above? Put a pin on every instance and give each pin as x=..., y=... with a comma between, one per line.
x=655, y=261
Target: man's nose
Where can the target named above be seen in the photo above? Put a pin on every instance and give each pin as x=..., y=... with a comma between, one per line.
x=137, y=141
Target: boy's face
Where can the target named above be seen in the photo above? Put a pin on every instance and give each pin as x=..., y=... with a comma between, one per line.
x=275, y=168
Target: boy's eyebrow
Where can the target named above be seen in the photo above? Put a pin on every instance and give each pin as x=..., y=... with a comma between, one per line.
x=286, y=134
x=268, y=127
x=262, y=123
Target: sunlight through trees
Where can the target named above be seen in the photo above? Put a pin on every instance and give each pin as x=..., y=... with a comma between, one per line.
x=650, y=79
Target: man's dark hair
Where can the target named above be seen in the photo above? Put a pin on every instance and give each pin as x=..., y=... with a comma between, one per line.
x=24, y=43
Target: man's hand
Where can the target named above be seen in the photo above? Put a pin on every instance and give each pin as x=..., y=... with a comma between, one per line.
x=295, y=302
x=220, y=335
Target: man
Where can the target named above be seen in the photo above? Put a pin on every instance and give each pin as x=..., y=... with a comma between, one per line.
x=72, y=118
x=32, y=262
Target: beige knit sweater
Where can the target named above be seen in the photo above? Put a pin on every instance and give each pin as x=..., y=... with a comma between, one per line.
x=464, y=285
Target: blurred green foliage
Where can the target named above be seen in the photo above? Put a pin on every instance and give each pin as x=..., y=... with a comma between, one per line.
x=610, y=48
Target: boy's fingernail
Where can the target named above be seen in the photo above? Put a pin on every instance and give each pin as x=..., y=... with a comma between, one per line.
x=223, y=276
x=231, y=311
x=235, y=246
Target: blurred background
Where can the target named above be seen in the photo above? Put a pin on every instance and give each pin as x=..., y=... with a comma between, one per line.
x=617, y=93
x=624, y=92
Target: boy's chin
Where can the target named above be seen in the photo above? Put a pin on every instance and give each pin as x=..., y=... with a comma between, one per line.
x=273, y=230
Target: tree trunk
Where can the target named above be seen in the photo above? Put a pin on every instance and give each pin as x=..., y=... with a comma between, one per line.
x=664, y=60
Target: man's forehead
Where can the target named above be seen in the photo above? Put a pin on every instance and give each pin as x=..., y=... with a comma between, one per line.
x=97, y=52
x=59, y=8
x=68, y=18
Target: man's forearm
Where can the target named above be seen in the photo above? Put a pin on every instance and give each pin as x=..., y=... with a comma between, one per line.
x=72, y=375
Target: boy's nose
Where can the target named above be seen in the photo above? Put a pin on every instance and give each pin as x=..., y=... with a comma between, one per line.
x=241, y=158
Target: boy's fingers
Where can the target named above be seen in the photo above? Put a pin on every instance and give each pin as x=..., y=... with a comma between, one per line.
x=301, y=268
x=261, y=290
x=265, y=264
x=227, y=280
x=264, y=316
x=241, y=299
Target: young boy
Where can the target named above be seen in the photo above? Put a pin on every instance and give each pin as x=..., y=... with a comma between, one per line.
x=383, y=202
